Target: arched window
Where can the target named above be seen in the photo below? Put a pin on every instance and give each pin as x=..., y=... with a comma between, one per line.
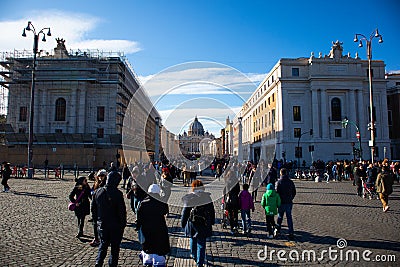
x=336, y=110
x=60, y=109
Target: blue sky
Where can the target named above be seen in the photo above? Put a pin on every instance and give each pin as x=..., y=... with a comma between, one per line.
x=246, y=36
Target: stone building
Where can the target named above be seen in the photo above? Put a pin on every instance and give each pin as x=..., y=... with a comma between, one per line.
x=315, y=94
x=196, y=141
x=81, y=100
x=393, y=101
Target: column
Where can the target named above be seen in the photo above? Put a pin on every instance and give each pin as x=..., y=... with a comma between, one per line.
x=81, y=113
x=316, y=116
x=240, y=141
x=324, y=115
x=351, y=115
x=361, y=120
x=73, y=127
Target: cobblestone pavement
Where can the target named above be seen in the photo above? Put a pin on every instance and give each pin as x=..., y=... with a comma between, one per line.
x=38, y=230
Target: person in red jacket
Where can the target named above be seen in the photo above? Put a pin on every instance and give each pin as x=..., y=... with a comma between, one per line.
x=246, y=204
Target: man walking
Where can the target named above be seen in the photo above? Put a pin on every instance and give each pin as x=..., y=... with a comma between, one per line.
x=108, y=208
x=287, y=191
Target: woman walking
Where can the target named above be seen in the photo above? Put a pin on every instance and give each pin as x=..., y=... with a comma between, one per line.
x=198, y=216
x=152, y=227
x=81, y=194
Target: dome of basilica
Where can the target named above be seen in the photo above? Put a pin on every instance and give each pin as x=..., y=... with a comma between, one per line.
x=195, y=128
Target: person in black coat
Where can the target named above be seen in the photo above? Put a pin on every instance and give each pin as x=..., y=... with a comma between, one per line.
x=287, y=191
x=151, y=225
x=231, y=199
x=81, y=194
x=108, y=208
x=6, y=174
x=198, y=231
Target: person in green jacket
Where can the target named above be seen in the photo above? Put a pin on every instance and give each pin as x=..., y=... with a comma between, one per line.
x=270, y=202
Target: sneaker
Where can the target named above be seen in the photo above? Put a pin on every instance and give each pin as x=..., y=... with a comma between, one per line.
x=386, y=209
x=270, y=236
x=276, y=232
x=94, y=243
x=79, y=235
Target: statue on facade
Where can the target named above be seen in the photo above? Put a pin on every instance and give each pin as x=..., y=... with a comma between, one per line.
x=337, y=50
x=60, y=51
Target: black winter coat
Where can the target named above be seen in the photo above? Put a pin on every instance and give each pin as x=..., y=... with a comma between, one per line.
x=83, y=208
x=197, y=198
x=108, y=207
x=152, y=226
x=232, y=197
x=286, y=189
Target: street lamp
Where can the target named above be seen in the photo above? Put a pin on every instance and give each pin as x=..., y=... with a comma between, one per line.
x=345, y=121
x=298, y=146
x=368, y=41
x=36, y=35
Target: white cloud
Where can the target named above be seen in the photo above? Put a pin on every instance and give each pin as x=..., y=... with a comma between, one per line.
x=73, y=27
x=221, y=79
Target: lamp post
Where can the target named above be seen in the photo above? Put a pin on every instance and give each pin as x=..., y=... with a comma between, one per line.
x=240, y=140
x=36, y=35
x=298, y=146
x=345, y=121
x=368, y=41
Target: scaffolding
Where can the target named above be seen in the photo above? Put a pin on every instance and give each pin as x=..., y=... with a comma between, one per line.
x=87, y=80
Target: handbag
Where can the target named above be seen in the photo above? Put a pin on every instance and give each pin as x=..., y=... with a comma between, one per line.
x=72, y=205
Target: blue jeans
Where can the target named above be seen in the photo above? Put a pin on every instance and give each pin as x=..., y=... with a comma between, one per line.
x=246, y=220
x=285, y=208
x=107, y=238
x=198, y=249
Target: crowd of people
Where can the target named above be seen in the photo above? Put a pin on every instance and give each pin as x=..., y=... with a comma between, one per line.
x=148, y=188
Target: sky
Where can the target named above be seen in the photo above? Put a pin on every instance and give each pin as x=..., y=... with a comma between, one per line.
x=204, y=58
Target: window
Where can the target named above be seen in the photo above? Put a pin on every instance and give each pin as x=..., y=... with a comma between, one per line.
x=100, y=132
x=295, y=72
x=58, y=131
x=397, y=83
x=23, y=113
x=273, y=117
x=338, y=132
x=296, y=113
x=297, y=132
x=390, y=118
x=273, y=97
x=336, y=111
x=272, y=78
x=60, y=109
x=22, y=130
x=100, y=113
x=269, y=101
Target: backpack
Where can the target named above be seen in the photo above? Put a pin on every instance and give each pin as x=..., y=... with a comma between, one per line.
x=198, y=215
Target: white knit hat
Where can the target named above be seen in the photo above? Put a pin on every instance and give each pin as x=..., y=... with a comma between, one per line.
x=154, y=188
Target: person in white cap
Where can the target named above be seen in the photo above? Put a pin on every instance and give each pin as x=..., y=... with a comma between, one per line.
x=152, y=228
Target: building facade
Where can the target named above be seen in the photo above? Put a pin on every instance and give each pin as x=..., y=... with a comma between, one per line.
x=305, y=96
x=393, y=101
x=196, y=141
x=81, y=101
